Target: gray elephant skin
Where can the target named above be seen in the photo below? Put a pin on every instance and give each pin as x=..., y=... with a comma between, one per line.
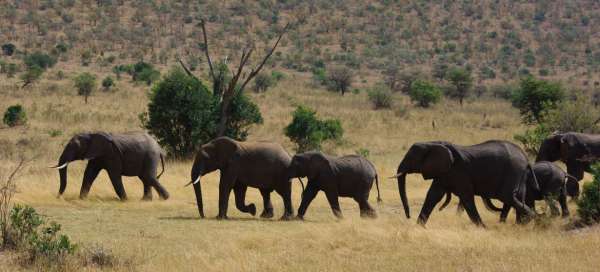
x=261, y=165
x=346, y=176
x=127, y=154
x=493, y=169
x=577, y=150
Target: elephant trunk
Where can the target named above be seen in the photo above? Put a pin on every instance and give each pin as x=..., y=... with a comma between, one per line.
x=402, y=190
x=196, y=180
x=62, y=172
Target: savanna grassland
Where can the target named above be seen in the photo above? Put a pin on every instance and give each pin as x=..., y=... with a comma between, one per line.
x=168, y=235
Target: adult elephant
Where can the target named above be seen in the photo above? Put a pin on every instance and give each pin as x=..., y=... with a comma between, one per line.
x=261, y=165
x=577, y=150
x=493, y=169
x=127, y=154
x=551, y=180
x=346, y=176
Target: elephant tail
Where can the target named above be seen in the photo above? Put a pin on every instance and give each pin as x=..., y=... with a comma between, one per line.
x=162, y=162
x=377, y=185
x=301, y=184
x=533, y=180
x=490, y=206
x=570, y=178
x=447, y=201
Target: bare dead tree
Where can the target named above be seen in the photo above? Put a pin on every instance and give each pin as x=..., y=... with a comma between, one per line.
x=7, y=191
x=225, y=94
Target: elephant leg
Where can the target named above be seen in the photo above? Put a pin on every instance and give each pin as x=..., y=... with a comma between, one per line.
x=332, y=198
x=117, y=182
x=151, y=182
x=365, y=209
x=268, y=207
x=89, y=176
x=504, y=213
x=434, y=196
x=225, y=186
x=286, y=196
x=147, y=191
x=469, y=203
x=562, y=200
x=309, y=195
x=239, y=191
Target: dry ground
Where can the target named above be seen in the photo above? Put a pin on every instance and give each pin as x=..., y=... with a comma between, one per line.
x=168, y=235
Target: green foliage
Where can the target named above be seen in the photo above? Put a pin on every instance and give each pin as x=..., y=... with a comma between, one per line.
x=144, y=72
x=535, y=95
x=15, y=115
x=39, y=59
x=381, y=96
x=363, y=152
x=532, y=139
x=8, y=49
x=461, y=82
x=425, y=93
x=107, y=83
x=182, y=113
x=588, y=204
x=32, y=74
x=308, y=132
x=86, y=57
x=262, y=82
x=85, y=84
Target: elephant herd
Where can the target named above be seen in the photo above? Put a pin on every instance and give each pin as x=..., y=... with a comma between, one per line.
x=491, y=170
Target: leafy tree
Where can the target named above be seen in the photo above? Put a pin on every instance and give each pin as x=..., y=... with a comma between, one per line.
x=32, y=74
x=381, y=96
x=425, y=93
x=107, y=83
x=535, y=95
x=8, y=49
x=40, y=60
x=308, y=132
x=588, y=205
x=15, y=115
x=262, y=82
x=407, y=77
x=85, y=84
x=340, y=79
x=461, y=82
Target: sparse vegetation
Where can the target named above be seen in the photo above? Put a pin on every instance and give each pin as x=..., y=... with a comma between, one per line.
x=340, y=79
x=380, y=96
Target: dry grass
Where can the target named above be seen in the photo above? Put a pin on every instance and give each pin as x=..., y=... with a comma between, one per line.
x=167, y=235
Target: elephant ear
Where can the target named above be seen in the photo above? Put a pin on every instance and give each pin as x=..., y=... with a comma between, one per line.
x=226, y=150
x=101, y=144
x=319, y=165
x=437, y=162
x=571, y=148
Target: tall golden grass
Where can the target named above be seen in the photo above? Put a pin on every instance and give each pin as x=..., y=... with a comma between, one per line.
x=169, y=236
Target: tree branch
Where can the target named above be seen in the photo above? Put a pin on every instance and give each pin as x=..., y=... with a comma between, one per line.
x=210, y=66
x=187, y=71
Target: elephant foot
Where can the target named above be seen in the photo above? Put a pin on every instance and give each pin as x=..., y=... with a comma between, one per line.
x=287, y=217
x=368, y=214
x=299, y=217
x=222, y=217
x=164, y=196
x=268, y=213
x=251, y=209
x=147, y=198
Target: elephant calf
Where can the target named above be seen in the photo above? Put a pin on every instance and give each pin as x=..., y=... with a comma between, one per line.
x=127, y=154
x=347, y=176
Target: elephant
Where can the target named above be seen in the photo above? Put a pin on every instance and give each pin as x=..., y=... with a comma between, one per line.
x=126, y=154
x=261, y=165
x=492, y=169
x=577, y=150
x=551, y=179
x=346, y=176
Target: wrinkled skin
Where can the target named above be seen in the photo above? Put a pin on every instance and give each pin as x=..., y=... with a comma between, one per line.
x=347, y=176
x=493, y=169
x=127, y=154
x=577, y=150
x=261, y=165
x=551, y=180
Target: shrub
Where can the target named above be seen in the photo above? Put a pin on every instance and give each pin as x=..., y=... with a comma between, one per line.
x=461, y=82
x=262, y=82
x=588, y=204
x=8, y=49
x=425, y=93
x=144, y=72
x=503, y=91
x=85, y=84
x=107, y=83
x=532, y=139
x=182, y=113
x=32, y=74
x=535, y=95
x=308, y=132
x=380, y=96
x=340, y=79
x=277, y=76
x=40, y=60
x=86, y=57
x=15, y=116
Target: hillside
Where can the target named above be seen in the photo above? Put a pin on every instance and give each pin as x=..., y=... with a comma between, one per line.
x=497, y=40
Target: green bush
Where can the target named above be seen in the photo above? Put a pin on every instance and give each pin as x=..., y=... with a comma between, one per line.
x=144, y=72
x=33, y=74
x=532, y=139
x=182, y=113
x=425, y=93
x=107, y=83
x=40, y=60
x=8, y=49
x=85, y=84
x=461, y=82
x=15, y=116
x=262, y=82
x=308, y=132
x=588, y=204
x=536, y=95
x=381, y=96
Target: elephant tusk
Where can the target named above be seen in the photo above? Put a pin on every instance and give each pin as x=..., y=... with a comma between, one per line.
x=192, y=182
x=60, y=166
x=396, y=176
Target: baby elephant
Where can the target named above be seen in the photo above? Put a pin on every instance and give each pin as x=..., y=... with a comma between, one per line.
x=552, y=180
x=347, y=176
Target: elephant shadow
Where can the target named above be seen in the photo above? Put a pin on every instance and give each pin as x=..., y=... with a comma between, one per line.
x=183, y=218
